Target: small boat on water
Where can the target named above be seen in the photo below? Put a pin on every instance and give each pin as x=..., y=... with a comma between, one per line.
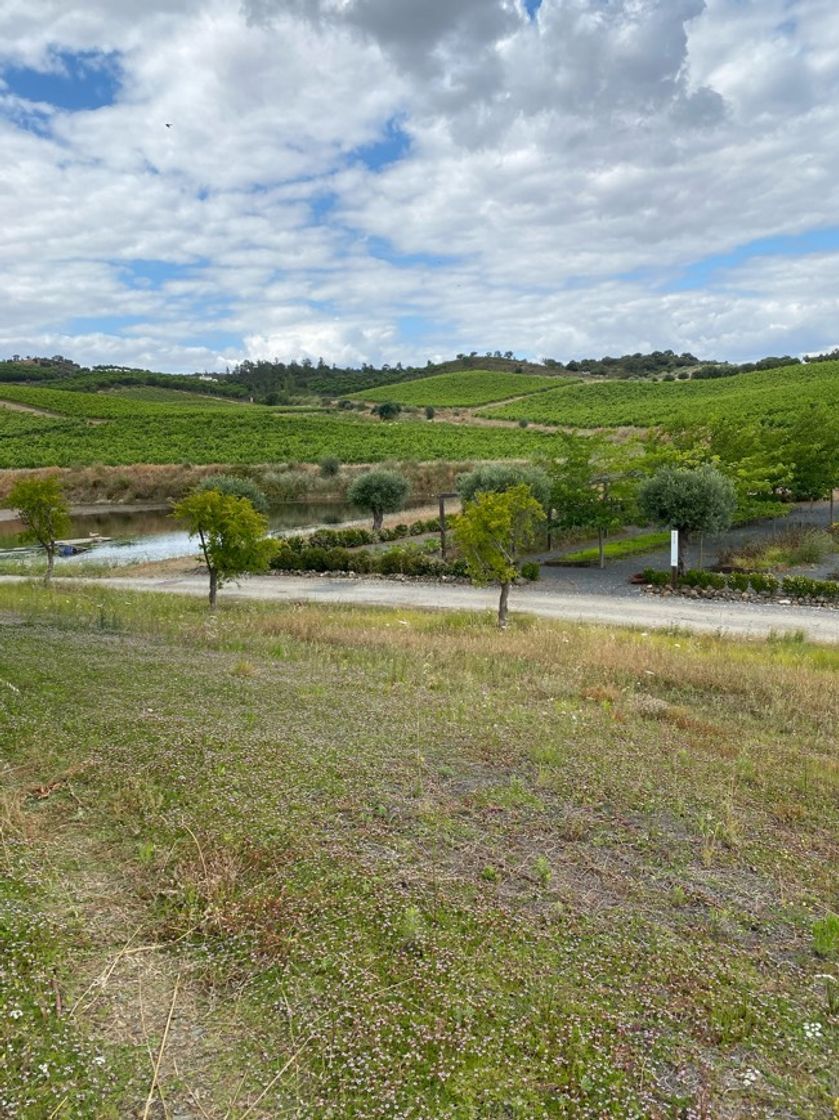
x=73, y=546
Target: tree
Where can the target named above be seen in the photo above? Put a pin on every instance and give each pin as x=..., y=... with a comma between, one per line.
x=693, y=501
x=231, y=532
x=379, y=492
x=499, y=477
x=429, y=412
x=593, y=487
x=493, y=532
x=387, y=410
x=237, y=488
x=42, y=507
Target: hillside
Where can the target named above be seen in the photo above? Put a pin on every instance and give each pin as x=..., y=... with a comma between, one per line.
x=774, y=395
x=465, y=388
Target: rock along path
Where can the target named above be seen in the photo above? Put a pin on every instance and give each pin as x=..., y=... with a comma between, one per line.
x=753, y=620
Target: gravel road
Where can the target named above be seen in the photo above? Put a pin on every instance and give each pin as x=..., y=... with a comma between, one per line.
x=754, y=620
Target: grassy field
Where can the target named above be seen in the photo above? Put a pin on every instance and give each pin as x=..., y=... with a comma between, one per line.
x=450, y=390
x=777, y=394
x=179, y=397
x=366, y=864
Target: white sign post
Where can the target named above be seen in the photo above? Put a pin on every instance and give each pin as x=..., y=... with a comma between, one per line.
x=674, y=556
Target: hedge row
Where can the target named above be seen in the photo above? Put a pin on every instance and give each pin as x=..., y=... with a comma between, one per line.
x=356, y=537
x=796, y=587
x=393, y=561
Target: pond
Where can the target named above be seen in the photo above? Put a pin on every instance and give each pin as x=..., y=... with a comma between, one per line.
x=150, y=534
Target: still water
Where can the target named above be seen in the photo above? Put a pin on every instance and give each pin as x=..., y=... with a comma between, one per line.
x=138, y=536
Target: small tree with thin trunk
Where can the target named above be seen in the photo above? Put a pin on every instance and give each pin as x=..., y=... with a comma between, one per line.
x=42, y=507
x=493, y=532
x=379, y=492
x=231, y=533
x=693, y=501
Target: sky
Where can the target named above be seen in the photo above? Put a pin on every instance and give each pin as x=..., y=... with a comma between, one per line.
x=188, y=183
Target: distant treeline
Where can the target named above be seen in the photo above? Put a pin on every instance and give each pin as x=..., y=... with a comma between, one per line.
x=276, y=382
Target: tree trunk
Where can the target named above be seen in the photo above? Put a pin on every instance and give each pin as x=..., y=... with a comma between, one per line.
x=502, y=606
x=600, y=548
x=378, y=518
x=684, y=540
x=50, y=566
x=213, y=588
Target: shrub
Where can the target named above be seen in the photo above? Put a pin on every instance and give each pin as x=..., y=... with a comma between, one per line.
x=235, y=488
x=429, y=412
x=531, y=571
x=703, y=580
x=329, y=467
x=759, y=581
x=654, y=578
x=802, y=587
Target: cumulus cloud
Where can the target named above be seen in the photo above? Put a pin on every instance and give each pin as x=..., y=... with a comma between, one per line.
x=552, y=178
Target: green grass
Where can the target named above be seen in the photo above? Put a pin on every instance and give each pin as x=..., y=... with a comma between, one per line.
x=398, y=863
x=775, y=395
x=466, y=388
x=170, y=396
x=615, y=550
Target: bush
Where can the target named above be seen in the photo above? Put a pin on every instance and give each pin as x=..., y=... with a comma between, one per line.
x=703, y=580
x=429, y=412
x=531, y=571
x=802, y=587
x=329, y=467
x=235, y=488
x=758, y=581
x=654, y=578
x=500, y=477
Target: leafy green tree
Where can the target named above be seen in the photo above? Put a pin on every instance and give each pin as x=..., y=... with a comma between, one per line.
x=497, y=478
x=231, y=532
x=693, y=501
x=811, y=449
x=237, y=488
x=379, y=492
x=593, y=487
x=387, y=410
x=493, y=532
x=41, y=506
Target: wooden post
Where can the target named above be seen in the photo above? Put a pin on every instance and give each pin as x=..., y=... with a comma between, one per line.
x=442, y=499
x=674, y=558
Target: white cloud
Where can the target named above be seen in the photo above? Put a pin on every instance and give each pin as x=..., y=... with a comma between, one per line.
x=561, y=170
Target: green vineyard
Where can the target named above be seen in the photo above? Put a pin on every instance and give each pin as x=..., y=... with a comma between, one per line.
x=776, y=395
x=454, y=390
x=115, y=431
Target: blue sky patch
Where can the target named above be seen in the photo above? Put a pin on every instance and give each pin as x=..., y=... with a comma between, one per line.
x=532, y=7
x=709, y=270
x=392, y=146
x=154, y=273
x=78, y=81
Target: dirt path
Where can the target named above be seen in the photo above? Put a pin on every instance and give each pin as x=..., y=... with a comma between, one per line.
x=731, y=619
x=14, y=406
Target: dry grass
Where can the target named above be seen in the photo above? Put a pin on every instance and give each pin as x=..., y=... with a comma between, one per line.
x=405, y=864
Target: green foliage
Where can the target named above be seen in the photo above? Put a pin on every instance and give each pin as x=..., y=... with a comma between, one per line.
x=43, y=509
x=793, y=587
x=826, y=936
x=379, y=492
x=499, y=477
x=387, y=410
x=531, y=571
x=614, y=550
x=773, y=395
x=237, y=487
x=429, y=412
x=693, y=501
x=152, y=432
x=463, y=389
x=231, y=532
x=495, y=529
x=330, y=466
x=593, y=484
x=407, y=560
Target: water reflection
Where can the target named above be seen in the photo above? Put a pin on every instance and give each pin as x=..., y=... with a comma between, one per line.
x=144, y=535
